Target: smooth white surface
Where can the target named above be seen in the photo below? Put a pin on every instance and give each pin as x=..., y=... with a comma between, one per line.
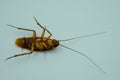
x=65, y=19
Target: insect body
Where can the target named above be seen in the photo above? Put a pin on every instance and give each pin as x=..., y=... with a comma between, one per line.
x=42, y=43
x=37, y=43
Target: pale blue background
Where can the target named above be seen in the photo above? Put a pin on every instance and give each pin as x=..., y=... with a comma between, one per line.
x=65, y=19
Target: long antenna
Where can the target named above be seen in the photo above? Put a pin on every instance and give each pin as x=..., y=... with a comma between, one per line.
x=82, y=36
x=84, y=56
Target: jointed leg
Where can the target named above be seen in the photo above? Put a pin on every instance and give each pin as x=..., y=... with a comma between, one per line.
x=42, y=35
x=48, y=32
x=44, y=28
x=34, y=33
x=17, y=55
x=32, y=49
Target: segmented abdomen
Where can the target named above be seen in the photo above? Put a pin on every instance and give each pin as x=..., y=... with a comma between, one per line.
x=40, y=45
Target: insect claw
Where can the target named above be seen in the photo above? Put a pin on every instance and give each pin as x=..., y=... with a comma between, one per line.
x=35, y=19
x=9, y=58
x=12, y=26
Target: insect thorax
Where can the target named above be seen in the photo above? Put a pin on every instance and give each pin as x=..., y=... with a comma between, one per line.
x=39, y=45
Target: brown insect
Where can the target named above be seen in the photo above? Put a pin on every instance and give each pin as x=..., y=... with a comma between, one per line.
x=42, y=43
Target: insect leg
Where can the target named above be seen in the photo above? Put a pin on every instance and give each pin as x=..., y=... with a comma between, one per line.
x=34, y=32
x=32, y=49
x=44, y=28
x=50, y=34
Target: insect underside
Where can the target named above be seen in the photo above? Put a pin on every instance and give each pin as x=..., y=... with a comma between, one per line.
x=42, y=43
